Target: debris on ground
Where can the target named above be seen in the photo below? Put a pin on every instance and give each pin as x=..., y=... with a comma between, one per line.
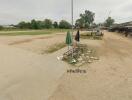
x=80, y=55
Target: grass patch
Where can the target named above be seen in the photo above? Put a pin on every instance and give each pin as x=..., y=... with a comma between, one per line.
x=92, y=36
x=55, y=48
x=31, y=32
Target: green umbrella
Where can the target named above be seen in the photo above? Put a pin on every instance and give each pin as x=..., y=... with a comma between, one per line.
x=68, y=38
x=69, y=42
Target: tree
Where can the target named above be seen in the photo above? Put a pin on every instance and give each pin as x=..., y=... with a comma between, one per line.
x=109, y=21
x=24, y=25
x=86, y=19
x=34, y=24
x=64, y=24
x=1, y=27
x=80, y=23
x=56, y=25
x=21, y=25
x=94, y=25
x=47, y=23
x=39, y=24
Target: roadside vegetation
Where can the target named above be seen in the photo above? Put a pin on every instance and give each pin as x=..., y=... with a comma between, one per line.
x=55, y=48
x=91, y=35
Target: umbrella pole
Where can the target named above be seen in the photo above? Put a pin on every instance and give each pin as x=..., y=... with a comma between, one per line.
x=68, y=49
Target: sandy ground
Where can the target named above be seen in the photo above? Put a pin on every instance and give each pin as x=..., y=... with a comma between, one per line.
x=27, y=75
x=36, y=44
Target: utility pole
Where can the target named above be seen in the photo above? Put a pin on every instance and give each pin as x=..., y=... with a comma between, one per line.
x=72, y=22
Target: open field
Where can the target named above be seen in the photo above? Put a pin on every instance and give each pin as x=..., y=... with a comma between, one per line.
x=31, y=32
x=27, y=74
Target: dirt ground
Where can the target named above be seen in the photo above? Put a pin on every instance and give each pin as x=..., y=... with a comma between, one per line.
x=25, y=74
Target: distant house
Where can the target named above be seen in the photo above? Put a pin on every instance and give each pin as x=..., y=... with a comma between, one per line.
x=9, y=26
x=122, y=28
x=127, y=23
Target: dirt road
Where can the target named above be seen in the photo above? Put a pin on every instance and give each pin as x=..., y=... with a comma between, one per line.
x=27, y=75
x=108, y=79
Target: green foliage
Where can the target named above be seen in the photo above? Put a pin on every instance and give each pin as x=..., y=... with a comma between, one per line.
x=47, y=23
x=64, y=24
x=80, y=23
x=34, y=24
x=109, y=21
x=85, y=20
x=55, y=25
x=94, y=25
x=24, y=25
x=1, y=27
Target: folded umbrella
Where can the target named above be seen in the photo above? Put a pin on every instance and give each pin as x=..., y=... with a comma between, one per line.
x=68, y=38
x=77, y=37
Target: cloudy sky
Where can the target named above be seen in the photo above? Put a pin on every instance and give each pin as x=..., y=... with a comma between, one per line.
x=14, y=11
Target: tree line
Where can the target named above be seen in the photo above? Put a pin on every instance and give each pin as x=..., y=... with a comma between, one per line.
x=86, y=20
x=46, y=24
